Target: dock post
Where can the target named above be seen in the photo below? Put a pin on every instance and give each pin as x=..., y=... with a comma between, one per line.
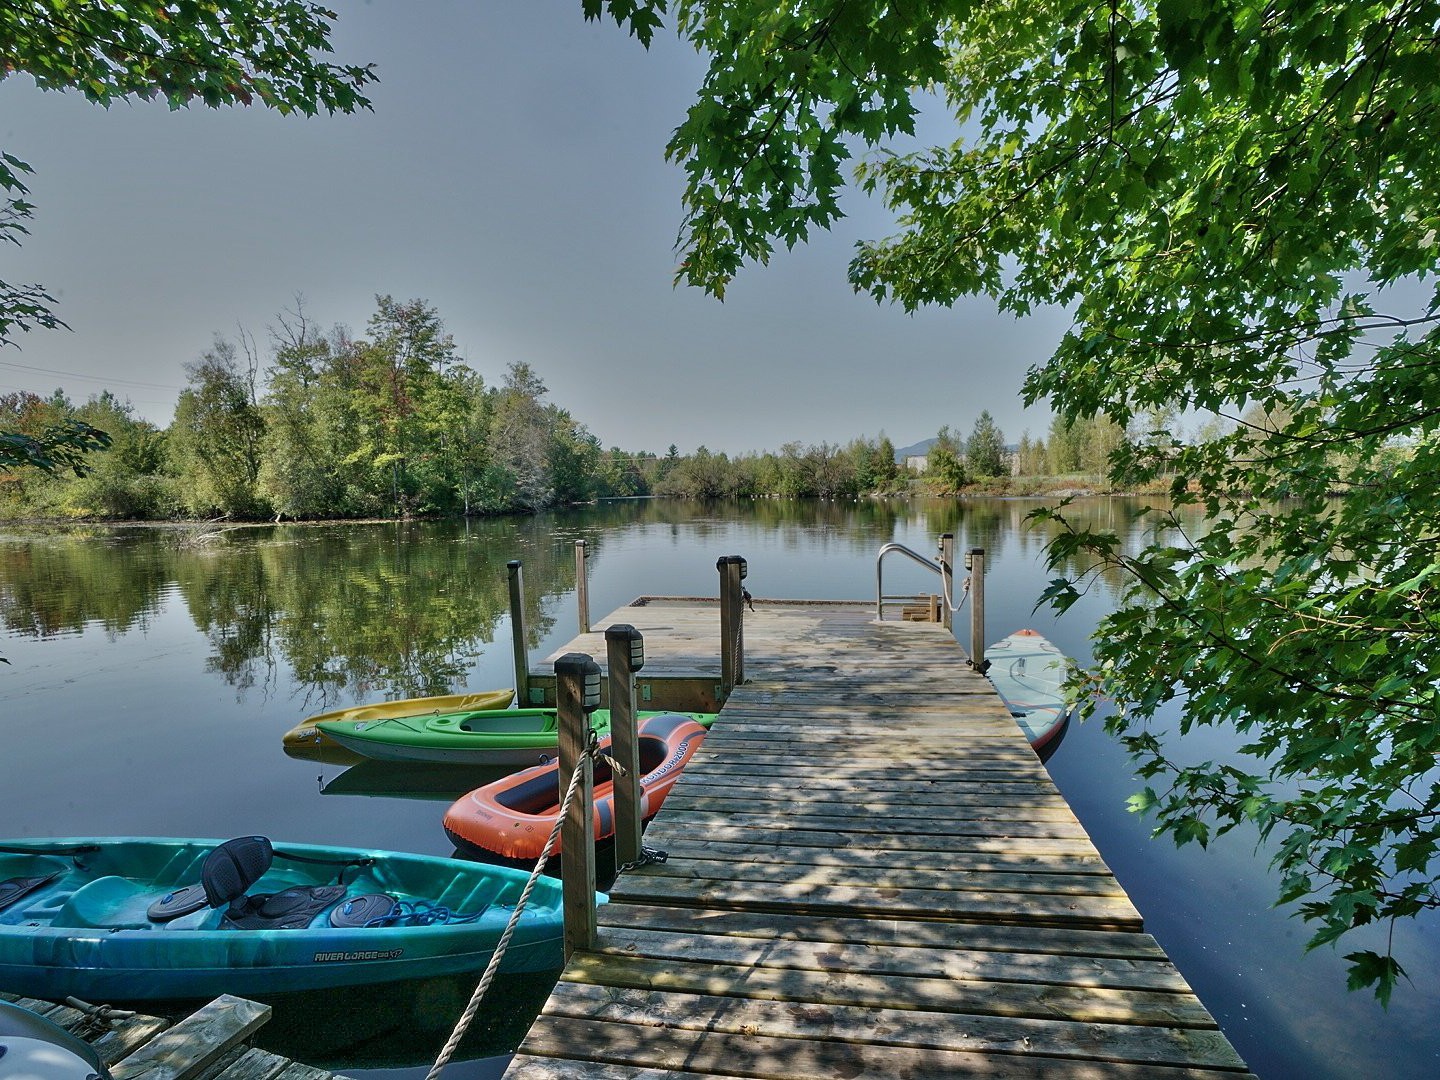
x=975, y=563
x=519, y=637
x=947, y=577
x=732, y=622
x=582, y=587
x=625, y=655
x=577, y=695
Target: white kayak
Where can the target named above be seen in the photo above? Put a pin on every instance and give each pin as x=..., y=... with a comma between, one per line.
x=1029, y=673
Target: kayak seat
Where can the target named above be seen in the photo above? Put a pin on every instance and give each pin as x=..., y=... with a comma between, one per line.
x=288, y=909
x=235, y=865
x=226, y=873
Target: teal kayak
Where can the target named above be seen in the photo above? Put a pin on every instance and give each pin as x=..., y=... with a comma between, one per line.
x=135, y=918
x=482, y=737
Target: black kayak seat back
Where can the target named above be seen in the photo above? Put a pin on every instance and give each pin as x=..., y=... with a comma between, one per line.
x=234, y=866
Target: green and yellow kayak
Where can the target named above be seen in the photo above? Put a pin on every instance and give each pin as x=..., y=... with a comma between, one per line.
x=482, y=737
x=307, y=741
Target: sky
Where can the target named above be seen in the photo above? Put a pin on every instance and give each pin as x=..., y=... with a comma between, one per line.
x=511, y=174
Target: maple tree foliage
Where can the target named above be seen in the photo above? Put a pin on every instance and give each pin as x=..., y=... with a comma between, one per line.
x=263, y=52
x=1236, y=202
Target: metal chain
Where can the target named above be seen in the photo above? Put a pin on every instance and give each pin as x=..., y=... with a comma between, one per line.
x=485, y=980
x=736, y=645
x=97, y=1019
x=648, y=855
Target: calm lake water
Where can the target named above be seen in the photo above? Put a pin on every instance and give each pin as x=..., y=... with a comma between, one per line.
x=152, y=675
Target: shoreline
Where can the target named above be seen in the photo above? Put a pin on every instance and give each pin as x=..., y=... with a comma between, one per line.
x=997, y=491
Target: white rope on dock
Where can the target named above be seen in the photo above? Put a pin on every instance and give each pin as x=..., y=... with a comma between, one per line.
x=463, y=1024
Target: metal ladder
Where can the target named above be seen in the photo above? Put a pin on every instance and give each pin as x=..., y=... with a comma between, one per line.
x=944, y=565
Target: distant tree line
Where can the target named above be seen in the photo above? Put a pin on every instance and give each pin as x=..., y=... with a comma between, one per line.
x=389, y=424
x=1078, y=450
x=393, y=424
x=864, y=466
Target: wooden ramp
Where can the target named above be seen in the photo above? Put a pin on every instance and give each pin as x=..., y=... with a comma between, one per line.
x=870, y=875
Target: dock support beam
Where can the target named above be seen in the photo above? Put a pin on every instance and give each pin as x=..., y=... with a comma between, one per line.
x=975, y=563
x=582, y=588
x=947, y=578
x=577, y=695
x=625, y=655
x=519, y=637
x=732, y=622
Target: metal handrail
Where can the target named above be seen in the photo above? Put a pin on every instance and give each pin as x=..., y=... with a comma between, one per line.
x=910, y=553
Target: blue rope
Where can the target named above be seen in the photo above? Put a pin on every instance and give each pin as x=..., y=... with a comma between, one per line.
x=423, y=913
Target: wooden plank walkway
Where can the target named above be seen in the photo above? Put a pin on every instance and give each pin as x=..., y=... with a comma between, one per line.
x=209, y=1044
x=870, y=875
x=682, y=658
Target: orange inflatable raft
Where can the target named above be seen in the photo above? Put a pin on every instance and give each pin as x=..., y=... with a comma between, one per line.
x=511, y=818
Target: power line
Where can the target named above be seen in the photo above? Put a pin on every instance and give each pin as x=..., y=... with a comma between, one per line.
x=91, y=378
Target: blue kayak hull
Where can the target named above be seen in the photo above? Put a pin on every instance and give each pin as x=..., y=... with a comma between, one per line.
x=320, y=970
x=87, y=934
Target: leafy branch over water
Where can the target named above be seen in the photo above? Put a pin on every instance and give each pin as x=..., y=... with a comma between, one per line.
x=1236, y=201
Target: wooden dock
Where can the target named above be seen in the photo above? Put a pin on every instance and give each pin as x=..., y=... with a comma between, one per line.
x=869, y=875
x=212, y=1043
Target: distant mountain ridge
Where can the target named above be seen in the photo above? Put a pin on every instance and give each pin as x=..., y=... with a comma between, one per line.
x=914, y=450
x=922, y=448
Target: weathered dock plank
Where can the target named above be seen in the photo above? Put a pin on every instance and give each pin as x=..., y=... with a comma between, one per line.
x=934, y=805
x=893, y=932
x=210, y=1044
x=195, y=1044
x=759, y=859
x=127, y=1036
x=691, y=1052
x=998, y=840
x=868, y=874
x=778, y=819
x=706, y=874
x=968, y=1033
x=953, y=961
x=844, y=778
x=1037, y=909
x=255, y=1065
